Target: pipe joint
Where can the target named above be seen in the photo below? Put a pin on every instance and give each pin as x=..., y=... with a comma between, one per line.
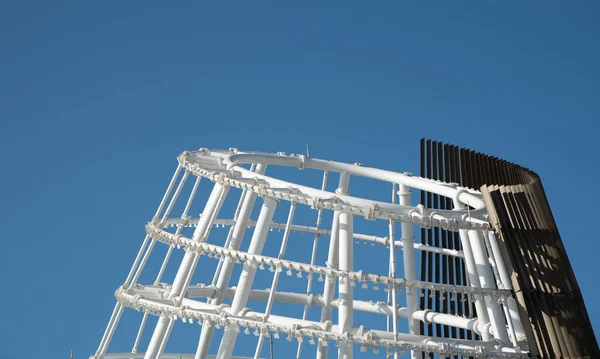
x=425, y=320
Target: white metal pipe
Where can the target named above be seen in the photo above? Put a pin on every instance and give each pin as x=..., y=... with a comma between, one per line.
x=368, y=172
x=187, y=266
x=486, y=279
x=110, y=327
x=473, y=277
x=183, y=217
x=393, y=275
x=229, y=235
x=389, y=319
x=168, y=191
x=164, y=356
x=313, y=328
x=323, y=231
x=332, y=262
x=139, y=334
x=313, y=256
x=169, y=251
x=425, y=316
x=140, y=264
x=276, y=275
x=239, y=229
x=213, y=205
x=513, y=310
x=207, y=327
x=165, y=216
x=116, y=314
x=153, y=293
x=247, y=276
x=408, y=254
x=511, y=331
x=345, y=309
x=163, y=344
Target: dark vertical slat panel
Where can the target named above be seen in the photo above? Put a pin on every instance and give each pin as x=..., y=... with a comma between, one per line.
x=461, y=160
x=447, y=263
x=543, y=279
x=459, y=264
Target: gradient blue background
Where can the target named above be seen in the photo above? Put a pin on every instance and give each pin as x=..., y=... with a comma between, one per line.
x=98, y=98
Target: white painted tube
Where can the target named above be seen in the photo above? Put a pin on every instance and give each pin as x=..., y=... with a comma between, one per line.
x=346, y=256
x=247, y=276
x=486, y=280
x=408, y=254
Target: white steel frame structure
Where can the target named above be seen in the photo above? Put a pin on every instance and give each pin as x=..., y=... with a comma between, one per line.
x=497, y=324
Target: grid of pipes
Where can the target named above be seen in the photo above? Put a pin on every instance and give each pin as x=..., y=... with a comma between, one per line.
x=448, y=292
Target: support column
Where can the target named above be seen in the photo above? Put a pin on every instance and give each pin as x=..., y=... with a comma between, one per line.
x=286, y=236
x=505, y=279
x=471, y=268
x=345, y=308
x=408, y=254
x=392, y=246
x=313, y=258
x=486, y=279
x=247, y=276
x=239, y=229
x=186, y=269
x=332, y=262
x=346, y=257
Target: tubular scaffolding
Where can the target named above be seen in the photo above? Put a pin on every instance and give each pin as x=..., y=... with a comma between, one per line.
x=495, y=328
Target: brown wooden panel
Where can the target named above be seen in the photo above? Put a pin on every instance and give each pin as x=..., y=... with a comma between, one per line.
x=543, y=281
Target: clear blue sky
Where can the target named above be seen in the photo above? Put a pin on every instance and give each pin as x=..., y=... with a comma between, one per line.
x=98, y=98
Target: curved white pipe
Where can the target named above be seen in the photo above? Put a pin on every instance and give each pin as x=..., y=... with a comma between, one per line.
x=465, y=196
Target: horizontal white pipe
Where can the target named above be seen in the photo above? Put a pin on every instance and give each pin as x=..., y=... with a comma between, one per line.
x=163, y=356
x=324, y=231
x=154, y=293
x=192, y=246
x=313, y=329
x=442, y=189
x=240, y=177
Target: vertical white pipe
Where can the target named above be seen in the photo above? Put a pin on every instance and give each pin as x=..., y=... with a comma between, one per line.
x=229, y=236
x=160, y=207
x=284, y=241
x=408, y=255
x=163, y=344
x=389, y=294
x=506, y=282
x=392, y=237
x=473, y=277
x=166, y=260
x=165, y=216
x=239, y=229
x=247, y=276
x=230, y=233
x=345, y=308
x=131, y=277
x=313, y=257
x=183, y=216
x=332, y=262
x=511, y=330
x=110, y=327
x=486, y=279
x=139, y=334
x=187, y=267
